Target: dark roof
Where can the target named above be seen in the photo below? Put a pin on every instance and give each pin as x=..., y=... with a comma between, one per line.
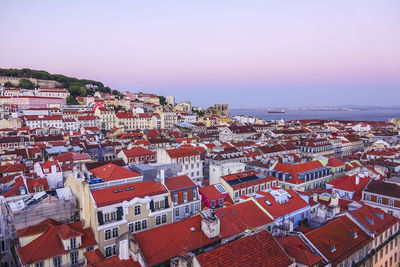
x=93, y=165
x=382, y=188
x=243, y=180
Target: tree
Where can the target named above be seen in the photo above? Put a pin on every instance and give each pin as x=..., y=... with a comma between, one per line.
x=163, y=101
x=115, y=92
x=118, y=108
x=26, y=84
x=77, y=89
x=8, y=84
x=71, y=100
x=199, y=112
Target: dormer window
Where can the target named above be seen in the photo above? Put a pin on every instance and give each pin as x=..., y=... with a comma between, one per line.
x=72, y=243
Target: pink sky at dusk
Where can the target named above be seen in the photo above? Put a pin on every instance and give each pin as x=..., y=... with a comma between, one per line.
x=265, y=52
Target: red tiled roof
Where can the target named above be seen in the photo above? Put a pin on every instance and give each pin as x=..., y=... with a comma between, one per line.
x=298, y=250
x=111, y=172
x=179, y=182
x=277, y=209
x=44, y=118
x=112, y=195
x=298, y=168
x=348, y=183
x=96, y=259
x=71, y=157
x=335, y=162
x=210, y=192
x=182, y=152
x=137, y=152
x=374, y=219
x=335, y=233
x=142, y=142
x=237, y=218
x=166, y=242
x=259, y=249
x=46, y=166
x=49, y=244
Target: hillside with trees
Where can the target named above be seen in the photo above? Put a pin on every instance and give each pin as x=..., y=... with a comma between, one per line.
x=75, y=86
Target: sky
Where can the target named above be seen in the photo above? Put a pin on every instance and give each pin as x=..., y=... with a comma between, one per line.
x=258, y=54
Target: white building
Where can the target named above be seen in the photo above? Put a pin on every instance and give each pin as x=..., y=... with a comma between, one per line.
x=225, y=169
x=170, y=100
x=34, y=122
x=50, y=170
x=188, y=158
x=53, y=92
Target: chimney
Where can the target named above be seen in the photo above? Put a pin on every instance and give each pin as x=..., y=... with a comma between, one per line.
x=162, y=176
x=315, y=197
x=210, y=224
x=124, y=250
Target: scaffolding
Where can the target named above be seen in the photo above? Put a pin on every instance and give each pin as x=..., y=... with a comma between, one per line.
x=21, y=212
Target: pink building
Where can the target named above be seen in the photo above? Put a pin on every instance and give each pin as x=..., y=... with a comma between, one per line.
x=27, y=102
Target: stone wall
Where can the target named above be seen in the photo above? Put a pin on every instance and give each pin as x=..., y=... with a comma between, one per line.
x=41, y=83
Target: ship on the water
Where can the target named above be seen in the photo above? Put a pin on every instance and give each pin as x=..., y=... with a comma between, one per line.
x=276, y=111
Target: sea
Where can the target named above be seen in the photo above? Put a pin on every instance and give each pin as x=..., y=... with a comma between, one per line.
x=347, y=115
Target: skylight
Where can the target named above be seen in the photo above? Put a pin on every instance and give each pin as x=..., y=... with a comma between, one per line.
x=268, y=203
x=220, y=188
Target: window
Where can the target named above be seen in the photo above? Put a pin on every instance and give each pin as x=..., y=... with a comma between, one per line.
x=196, y=207
x=212, y=203
x=107, y=234
x=90, y=248
x=144, y=224
x=367, y=197
x=175, y=198
x=249, y=190
x=379, y=200
x=138, y=226
x=39, y=264
x=161, y=219
x=131, y=227
x=72, y=243
x=137, y=209
x=111, y=250
x=391, y=202
x=236, y=194
x=186, y=209
x=262, y=187
x=176, y=212
x=185, y=196
x=115, y=232
x=74, y=257
x=194, y=193
x=157, y=205
x=106, y=217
